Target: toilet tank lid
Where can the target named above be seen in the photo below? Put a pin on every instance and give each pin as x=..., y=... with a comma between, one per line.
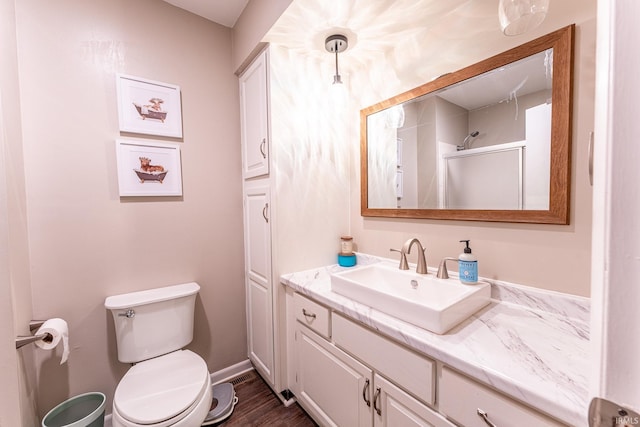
x=149, y=296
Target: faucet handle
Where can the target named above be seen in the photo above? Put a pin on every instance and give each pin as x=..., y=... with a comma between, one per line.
x=442, y=268
x=404, y=265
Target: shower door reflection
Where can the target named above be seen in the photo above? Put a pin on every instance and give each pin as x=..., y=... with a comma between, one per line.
x=484, y=178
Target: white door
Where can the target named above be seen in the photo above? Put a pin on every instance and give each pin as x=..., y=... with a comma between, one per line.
x=333, y=386
x=615, y=282
x=395, y=408
x=12, y=393
x=258, y=279
x=254, y=118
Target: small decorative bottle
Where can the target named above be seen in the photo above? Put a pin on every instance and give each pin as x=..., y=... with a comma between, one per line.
x=346, y=245
x=346, y=257
x=468, y=266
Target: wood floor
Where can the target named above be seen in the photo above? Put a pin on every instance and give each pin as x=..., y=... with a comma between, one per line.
x=259, y=406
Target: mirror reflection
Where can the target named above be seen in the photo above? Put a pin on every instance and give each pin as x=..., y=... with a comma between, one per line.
x=483, y=143
x=490, y=142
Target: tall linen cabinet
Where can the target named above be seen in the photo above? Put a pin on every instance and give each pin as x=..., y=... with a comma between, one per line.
x=260, y=284
x=295, y=144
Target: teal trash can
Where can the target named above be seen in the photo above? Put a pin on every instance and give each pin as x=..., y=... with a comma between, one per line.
x=84, y=410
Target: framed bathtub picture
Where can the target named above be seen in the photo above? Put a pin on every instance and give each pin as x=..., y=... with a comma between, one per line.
x=148, y=168
x=148, y=107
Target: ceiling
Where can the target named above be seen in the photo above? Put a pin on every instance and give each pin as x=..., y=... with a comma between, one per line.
x=444, y=35
x=387, y=30
x=224, y=12
x=408, y=42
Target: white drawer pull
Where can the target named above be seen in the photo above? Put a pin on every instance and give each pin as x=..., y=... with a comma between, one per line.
x=308, y=315
x=485, y=417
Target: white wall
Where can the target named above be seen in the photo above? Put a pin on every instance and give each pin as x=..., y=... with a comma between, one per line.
x=311, y=157
x=418, y=48
x=544, y=256
x=87, y=243
x=17, y=368
x=254, y=22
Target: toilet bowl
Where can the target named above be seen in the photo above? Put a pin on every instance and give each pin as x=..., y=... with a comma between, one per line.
x=171, y=390
x=166, y=386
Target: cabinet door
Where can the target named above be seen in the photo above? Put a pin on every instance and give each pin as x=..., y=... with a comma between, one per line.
x=332, y=386
x=258, y=280
x=395, y=408
x=254, y=118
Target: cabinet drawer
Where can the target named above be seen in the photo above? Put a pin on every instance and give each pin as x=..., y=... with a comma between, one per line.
x=311, y=314
x=411, y=371
x=461, y=398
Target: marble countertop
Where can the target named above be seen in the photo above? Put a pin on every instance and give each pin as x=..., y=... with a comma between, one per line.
x=530, y=344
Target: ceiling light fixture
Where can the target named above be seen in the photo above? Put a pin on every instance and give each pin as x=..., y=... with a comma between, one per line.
x=336, y=43
x=519, y=16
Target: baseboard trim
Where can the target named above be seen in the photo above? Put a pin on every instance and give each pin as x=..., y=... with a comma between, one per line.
x=228, y=373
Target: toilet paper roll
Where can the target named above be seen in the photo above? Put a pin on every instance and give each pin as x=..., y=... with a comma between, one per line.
x=59, y=331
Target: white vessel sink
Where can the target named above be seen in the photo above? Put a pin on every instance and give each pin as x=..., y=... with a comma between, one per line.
x=434, y=304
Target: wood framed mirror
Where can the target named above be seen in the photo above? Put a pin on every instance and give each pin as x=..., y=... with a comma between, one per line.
x=490, y=142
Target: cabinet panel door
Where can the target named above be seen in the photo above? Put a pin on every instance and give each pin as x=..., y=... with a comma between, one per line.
x=331, y=385
x=258, y=280
x=260, y=328
x=398, y=409
x=254, y=118
x=257, y=234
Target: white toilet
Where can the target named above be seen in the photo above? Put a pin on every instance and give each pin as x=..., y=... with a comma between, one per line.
x=166, y=386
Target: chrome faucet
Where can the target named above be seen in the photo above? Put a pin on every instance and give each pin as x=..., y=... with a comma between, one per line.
x=421, y=268
x=442, y=268
x=404, y=265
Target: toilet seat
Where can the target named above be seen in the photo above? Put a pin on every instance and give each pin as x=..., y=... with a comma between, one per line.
x=162, y=391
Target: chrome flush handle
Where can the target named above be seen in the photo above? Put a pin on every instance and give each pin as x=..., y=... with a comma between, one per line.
x=129, y=314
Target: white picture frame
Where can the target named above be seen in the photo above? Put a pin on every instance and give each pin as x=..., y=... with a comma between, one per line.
x=148, y=168
x=148, y=107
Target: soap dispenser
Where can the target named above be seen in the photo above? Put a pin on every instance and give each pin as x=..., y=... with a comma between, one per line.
x=468, y=265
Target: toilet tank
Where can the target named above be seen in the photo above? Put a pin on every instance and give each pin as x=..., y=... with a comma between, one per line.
x=153, y=322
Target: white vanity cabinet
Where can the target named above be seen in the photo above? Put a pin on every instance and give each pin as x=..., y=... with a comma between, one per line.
x=254, y=117
x=347, y=374
x=338, y=389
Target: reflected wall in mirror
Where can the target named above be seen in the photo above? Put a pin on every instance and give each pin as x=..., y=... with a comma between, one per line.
x=490, y=142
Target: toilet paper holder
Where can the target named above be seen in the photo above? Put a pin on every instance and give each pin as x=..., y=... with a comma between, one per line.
x=33, y=325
